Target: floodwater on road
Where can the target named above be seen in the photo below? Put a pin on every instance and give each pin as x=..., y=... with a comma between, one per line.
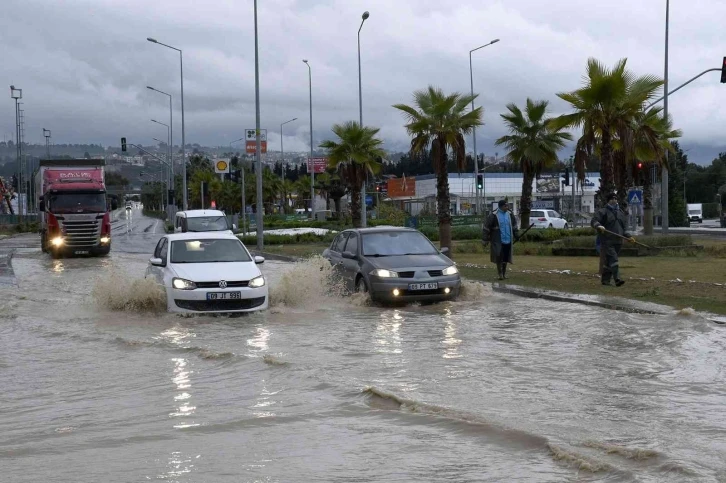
x=96, y=384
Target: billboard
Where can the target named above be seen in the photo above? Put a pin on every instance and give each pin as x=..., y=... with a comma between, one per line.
x=402, y=187
x=251, y=141
x=548, y=183
x=320, y=164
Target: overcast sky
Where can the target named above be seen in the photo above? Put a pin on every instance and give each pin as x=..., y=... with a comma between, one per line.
x=84, y=65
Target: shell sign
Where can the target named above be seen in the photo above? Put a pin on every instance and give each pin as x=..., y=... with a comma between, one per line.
x=402, y=187
x=221, y=166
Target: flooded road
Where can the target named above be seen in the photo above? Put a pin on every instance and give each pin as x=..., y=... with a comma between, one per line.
x=96, y=385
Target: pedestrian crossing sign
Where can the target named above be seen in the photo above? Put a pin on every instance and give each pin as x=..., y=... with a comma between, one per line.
x=635, y=197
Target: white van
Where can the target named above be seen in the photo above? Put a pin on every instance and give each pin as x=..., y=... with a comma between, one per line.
x=695, y=212
x=201, y=221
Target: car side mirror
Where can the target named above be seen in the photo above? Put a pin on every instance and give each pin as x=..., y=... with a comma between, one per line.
x=348, y=255
x=157, y=262
x=444, y=250
x=259, y=260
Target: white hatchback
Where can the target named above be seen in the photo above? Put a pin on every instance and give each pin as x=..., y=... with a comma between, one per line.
x=547, y=219
x=208, y=273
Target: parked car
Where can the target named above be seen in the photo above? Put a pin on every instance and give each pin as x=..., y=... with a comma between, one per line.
x=201, y=221
x=208, y=272
x=393, y=264
x=547, y=219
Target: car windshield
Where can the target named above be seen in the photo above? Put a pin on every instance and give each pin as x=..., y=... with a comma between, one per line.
x=392, y=243
x=207, y=223
x=77, y=202
x=208, y=251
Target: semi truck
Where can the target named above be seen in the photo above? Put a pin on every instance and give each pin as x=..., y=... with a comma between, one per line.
x=74, y=215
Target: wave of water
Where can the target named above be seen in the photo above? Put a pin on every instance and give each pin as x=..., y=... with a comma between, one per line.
x=120, y=292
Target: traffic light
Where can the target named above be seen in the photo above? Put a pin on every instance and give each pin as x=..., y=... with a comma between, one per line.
x=123, y=144
x=479, y=181
x=640, y=165
x=235, y=175
x=566, y=177
x=723, y=71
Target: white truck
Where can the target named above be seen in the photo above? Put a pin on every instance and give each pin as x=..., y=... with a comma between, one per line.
x=695, y=212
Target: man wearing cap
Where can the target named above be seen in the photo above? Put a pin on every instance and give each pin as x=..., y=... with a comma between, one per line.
x=501, y=230
x=611, y=224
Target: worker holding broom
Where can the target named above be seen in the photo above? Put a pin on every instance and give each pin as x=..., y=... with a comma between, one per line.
x=611, y=225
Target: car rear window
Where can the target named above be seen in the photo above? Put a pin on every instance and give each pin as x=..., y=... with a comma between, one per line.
x=536, y=214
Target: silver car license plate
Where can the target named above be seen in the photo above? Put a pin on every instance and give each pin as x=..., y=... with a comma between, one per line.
x=224, y=295
x=80, y=252
x=423, y=286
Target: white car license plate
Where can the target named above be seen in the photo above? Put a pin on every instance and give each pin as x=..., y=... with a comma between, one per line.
x=423, y=286
x=81, y=252
x=224, y=295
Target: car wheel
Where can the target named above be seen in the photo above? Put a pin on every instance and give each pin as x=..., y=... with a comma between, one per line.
x=361, y=286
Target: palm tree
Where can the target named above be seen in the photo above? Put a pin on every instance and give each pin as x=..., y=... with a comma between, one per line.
x=302, y=189
x=532, y=144
x=605, y=108
x=353, y=157
x=439, y=122
x=286, y=189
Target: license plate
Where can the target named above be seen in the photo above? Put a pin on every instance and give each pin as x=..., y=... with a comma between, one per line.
x=224, y=295
x=423, y=286
x=81, y=252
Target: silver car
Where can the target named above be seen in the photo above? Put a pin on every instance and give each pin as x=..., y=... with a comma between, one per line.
x=393, y=264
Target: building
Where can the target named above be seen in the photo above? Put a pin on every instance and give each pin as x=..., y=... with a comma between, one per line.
x=417, y=194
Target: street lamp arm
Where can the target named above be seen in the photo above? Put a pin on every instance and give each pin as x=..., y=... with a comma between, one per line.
x=682, y=86
x=160, y=43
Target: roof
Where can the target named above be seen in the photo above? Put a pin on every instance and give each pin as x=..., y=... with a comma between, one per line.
x=380, y=229
x=199, y=213
x=202, y=235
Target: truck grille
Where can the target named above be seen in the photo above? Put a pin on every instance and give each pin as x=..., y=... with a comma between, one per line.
x=81, y=234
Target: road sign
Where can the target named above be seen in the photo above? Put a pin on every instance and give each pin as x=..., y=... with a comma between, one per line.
x=319, y=163
x=251, y=140
x=635, y=197
x=369, y=199
x=221, y=166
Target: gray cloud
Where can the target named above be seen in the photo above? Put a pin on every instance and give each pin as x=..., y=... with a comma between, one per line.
x=84, y=65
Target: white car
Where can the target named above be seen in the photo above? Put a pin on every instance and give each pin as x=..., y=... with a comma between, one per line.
x=547, y=219
x=201, y=221
x=209, y=272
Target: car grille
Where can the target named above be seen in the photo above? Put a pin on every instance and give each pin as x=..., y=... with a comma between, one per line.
x=219, y=305
x=436, y=273
x=237, y=284
x=406, y=274
x=81, y=234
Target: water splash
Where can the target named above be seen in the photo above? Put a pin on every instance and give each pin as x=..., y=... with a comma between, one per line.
x=474, y=291
x=120, y=292
x=306, y=284
x=686, y=312
x=274, y=360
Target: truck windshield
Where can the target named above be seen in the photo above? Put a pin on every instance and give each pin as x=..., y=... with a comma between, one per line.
x=77, y=202
x=207, y=223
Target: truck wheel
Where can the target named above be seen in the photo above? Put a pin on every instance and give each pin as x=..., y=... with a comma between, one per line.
x=44, y=242
x=103, y=252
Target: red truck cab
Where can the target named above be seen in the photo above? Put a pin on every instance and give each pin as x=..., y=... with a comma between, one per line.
x=74, y=216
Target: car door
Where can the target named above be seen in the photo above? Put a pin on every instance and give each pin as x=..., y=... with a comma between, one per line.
x=161, y=251
x=349, y=266
x=554, y=219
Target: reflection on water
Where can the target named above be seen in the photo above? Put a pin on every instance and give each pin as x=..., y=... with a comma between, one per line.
x=451, y=342
x=58, y=266
x=261, y=339
x=388, y=333
x=178, y=465
x=264, y=401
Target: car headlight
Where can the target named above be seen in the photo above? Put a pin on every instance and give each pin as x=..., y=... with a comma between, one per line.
x=452, y=270
x=257, y=282
x=383, y=273
x=181, y=284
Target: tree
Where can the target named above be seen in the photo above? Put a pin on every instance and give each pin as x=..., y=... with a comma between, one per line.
x=439, y=122
x=605, y=108
x=353, y=157
x=532, y=144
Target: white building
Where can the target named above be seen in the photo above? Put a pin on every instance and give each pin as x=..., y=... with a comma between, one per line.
x=547, y=192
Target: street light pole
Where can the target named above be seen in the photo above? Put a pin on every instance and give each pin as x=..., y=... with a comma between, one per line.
x=17, y=94
x=664, y=178
x=364, y=208
x=312, y=162
x=170, y=146
x=184, y=155
x=242, y=171
x=171, y=170
x=476, y=160
x=258, y=151
x=162, y=172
